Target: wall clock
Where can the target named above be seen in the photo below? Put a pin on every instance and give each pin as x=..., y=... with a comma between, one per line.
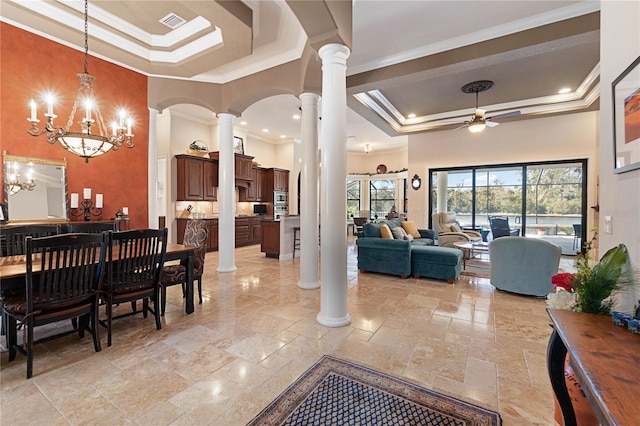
x=381, y=168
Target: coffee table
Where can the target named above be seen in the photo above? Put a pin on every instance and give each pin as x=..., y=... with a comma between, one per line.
x=468, y=249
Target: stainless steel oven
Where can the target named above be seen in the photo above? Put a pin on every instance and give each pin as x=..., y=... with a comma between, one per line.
x=279, y=210
x=280, y=198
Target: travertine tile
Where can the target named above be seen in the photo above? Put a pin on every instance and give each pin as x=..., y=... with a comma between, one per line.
x=256, y=332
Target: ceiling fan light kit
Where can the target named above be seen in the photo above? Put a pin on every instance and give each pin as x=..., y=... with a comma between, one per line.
x=478, y=122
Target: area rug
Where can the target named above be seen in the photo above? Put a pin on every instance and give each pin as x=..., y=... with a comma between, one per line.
x=339, y=392
x=480, y=268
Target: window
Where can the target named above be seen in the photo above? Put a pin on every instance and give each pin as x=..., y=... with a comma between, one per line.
x=353, y=198
x=381, y=196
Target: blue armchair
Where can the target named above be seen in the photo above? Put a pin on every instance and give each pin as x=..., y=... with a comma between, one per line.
x=523, y=265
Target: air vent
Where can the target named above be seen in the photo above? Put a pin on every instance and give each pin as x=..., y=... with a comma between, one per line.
x=172, y=21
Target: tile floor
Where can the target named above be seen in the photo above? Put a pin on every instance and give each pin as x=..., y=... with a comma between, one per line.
x=256, y=332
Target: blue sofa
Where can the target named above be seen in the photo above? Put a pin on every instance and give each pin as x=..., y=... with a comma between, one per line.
x=377, y=254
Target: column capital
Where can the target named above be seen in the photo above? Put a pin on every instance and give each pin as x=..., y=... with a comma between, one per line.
x=309, y=96
x=334, y=52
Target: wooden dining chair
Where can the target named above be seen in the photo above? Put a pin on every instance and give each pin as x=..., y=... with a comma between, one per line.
x=65, y=286
x=134, y=266
x=196, y=234
x=12, y=237
x=89, y=227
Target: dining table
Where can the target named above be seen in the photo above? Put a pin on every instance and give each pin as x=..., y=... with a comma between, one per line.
x=13, y=270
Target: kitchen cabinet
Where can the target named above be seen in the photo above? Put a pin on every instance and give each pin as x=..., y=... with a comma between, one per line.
x=277, y=180
x=243, y=231
x=255, y=225
x=243, y=165
x=247, y=230
x=197, y=178
x=256, y=190
x=260, y=184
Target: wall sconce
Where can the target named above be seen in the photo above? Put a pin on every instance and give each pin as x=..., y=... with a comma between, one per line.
x=86, y=208
x=416, y=182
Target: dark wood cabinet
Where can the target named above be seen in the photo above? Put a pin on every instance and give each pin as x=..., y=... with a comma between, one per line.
x=243, y=231
x=256, y=190
x=197, y=178
x=270, y=238
x=210, y=180
x=243, y=166
x=277, y=180
x=260, y=184
x=212, y=244
x=255, y=225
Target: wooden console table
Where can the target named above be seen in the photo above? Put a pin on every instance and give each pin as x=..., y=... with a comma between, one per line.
x=606, y=362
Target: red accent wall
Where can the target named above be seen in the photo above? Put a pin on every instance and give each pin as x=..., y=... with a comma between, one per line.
x=31, y=66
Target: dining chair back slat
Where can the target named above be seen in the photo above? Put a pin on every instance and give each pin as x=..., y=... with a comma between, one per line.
x=66, y=287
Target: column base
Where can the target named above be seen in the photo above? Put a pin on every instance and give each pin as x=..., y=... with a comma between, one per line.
x=227, y=268
x=309, y=286
x=333, y=322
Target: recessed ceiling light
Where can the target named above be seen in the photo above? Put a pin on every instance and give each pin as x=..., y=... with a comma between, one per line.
x=296, y=116
x=283, y=136
x=265, y=130
x=564, y=90
x=412, y=115
x=243, y=123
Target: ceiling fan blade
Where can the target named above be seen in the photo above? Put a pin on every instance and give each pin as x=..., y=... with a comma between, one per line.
x=490, y=123
x=466, y=124
x=505, y=115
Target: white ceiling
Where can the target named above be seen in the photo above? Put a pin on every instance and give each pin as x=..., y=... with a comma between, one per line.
x=259, y=34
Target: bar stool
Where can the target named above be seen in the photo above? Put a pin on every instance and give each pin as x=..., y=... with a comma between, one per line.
x=296, y=240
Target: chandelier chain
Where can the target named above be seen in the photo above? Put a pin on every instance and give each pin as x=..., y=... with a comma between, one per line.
x=86, y=37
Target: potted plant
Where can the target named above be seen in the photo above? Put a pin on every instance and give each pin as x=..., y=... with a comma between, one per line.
x=199, y=148
x=592, y=287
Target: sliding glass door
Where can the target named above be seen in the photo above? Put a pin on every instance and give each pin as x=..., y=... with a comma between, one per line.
x=544, y=200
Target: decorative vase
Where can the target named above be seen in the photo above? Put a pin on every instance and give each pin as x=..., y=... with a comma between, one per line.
x=583, y=411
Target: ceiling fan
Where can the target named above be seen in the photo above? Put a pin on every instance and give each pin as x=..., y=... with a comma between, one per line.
x=478, y=121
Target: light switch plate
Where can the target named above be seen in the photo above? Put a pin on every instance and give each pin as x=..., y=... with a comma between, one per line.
x=607, y=225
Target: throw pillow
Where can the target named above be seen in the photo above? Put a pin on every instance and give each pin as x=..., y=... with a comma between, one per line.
x=455, y=228
x=408, y=237
x=385, y=232
x=398, y=233
x=410, y=227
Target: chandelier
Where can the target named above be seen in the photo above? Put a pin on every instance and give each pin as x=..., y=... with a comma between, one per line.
x=84, y=143
x=14, y=183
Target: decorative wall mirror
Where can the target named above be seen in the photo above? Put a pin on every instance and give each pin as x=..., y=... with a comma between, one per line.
x=34, y=188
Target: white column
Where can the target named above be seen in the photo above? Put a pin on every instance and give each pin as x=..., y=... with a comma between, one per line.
x=333, y=198
x=309, y=193
x=226, y=195
x=152, y=189
x=443, y=179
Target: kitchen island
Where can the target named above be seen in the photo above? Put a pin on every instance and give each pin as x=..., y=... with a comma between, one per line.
x=277, y=237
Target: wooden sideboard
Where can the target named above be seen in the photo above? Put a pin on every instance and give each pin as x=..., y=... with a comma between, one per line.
x=606, y=362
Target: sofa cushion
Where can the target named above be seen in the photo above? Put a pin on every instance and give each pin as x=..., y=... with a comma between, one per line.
x=410, y=227
x=371, y=230
x=398, y=233
x=385, y=232
x=409, y=237
x=455, y=228
x=437, y=255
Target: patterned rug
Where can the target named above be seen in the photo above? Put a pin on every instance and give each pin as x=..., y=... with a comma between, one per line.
x=338, y=392
x=480, y=268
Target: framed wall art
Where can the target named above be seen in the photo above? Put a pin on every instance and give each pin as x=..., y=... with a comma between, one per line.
x=238, y=145
x=626, y=119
